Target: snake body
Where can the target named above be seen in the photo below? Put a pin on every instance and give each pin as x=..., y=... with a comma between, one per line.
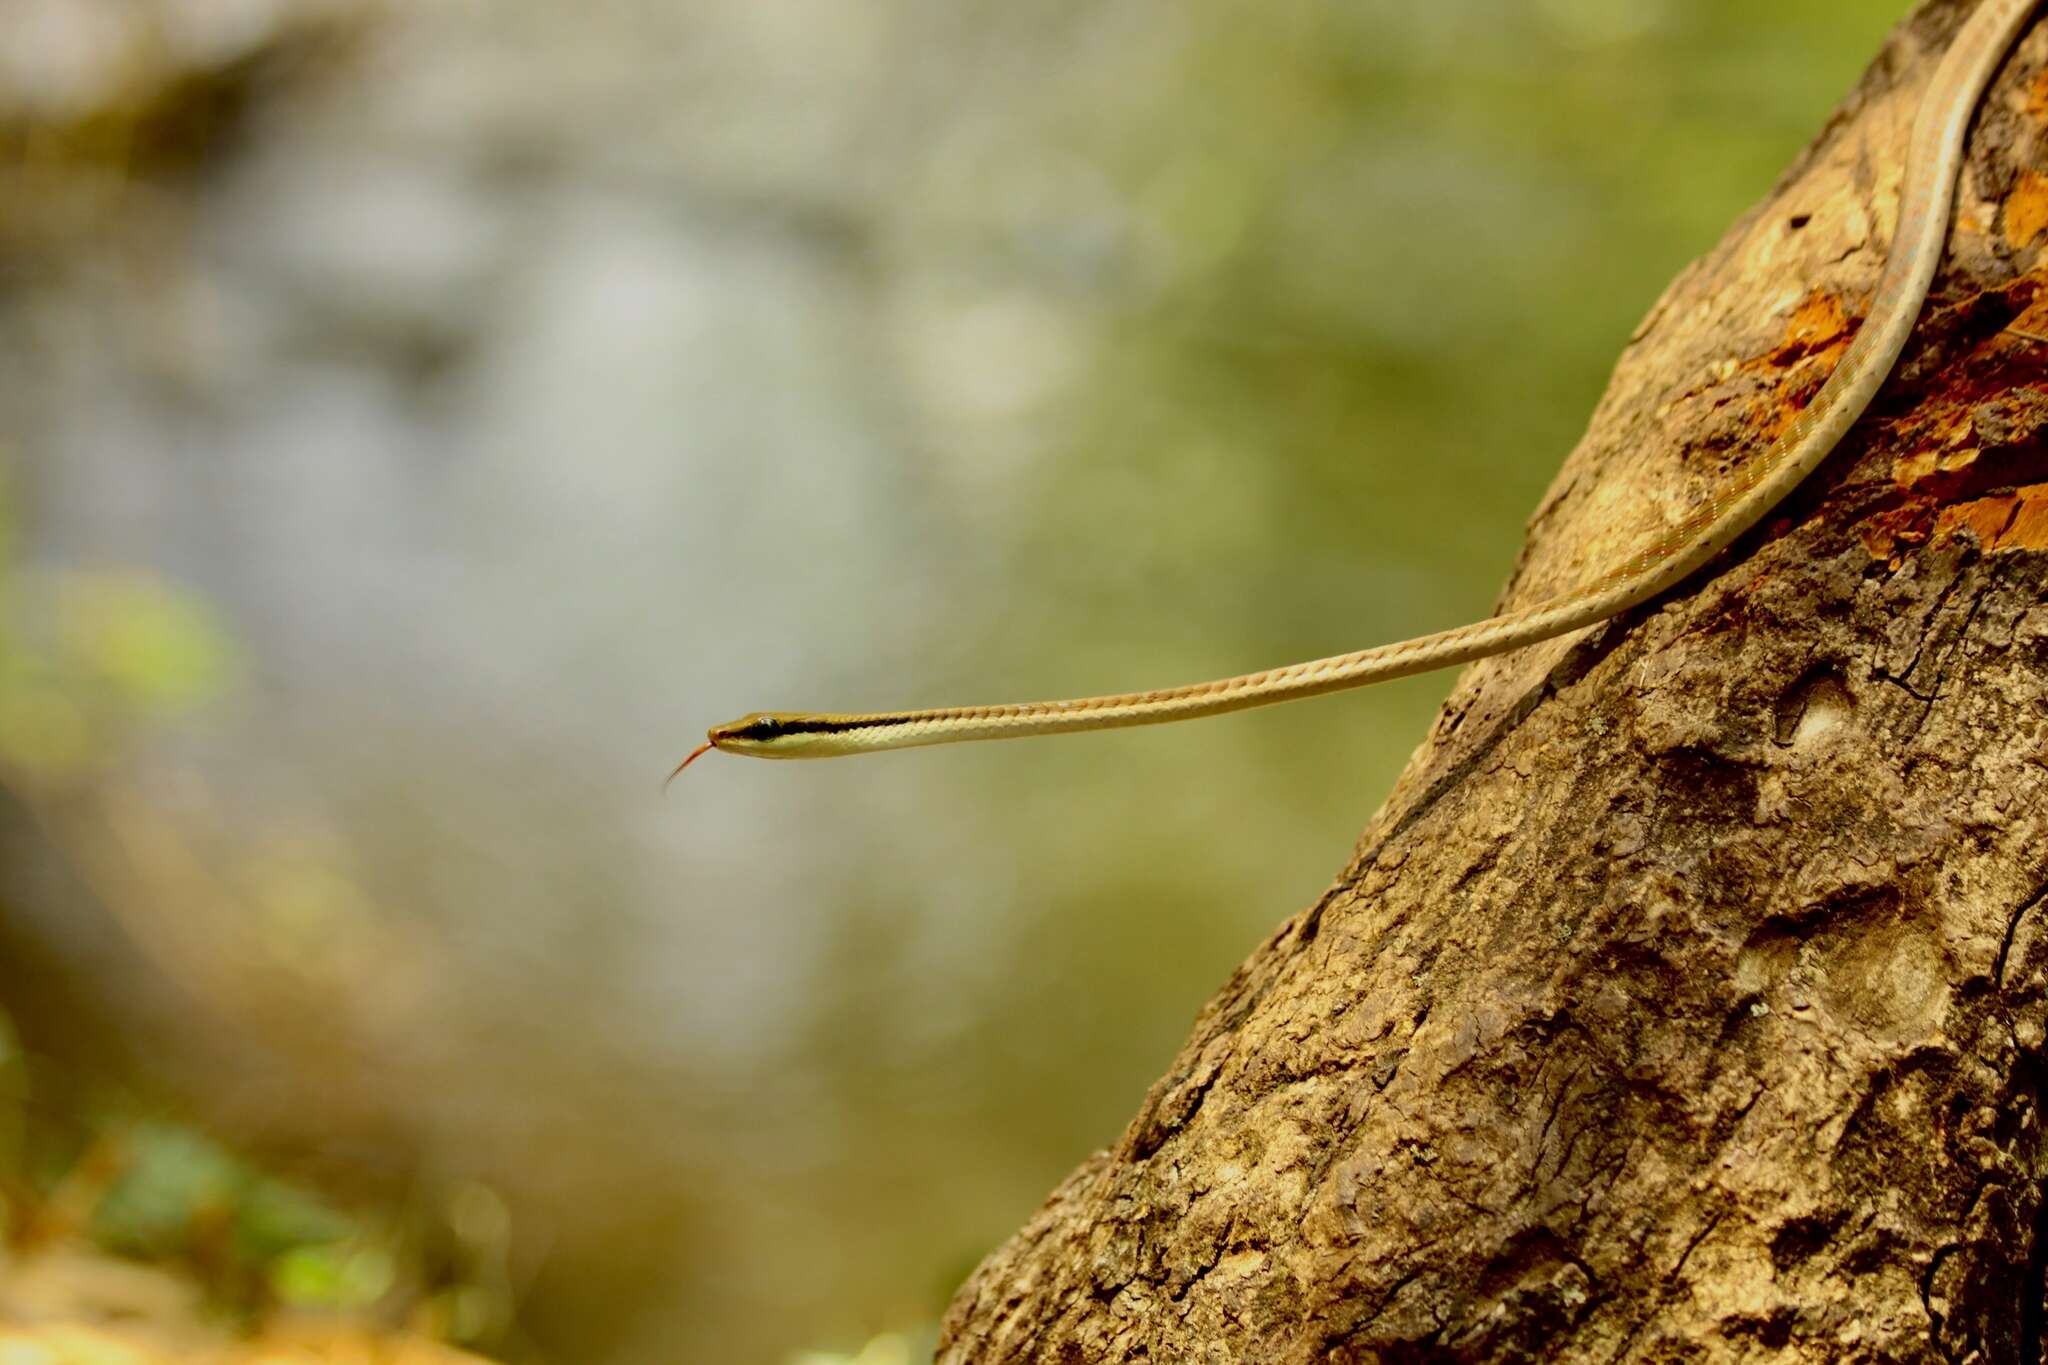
x=1933, y=161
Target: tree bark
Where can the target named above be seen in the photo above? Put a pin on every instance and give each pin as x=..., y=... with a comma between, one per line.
x=1687, y=998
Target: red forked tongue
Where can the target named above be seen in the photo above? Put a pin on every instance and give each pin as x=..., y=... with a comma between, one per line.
x=695, y=754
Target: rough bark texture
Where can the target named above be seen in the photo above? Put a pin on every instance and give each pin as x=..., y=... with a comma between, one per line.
x=1686, y=1000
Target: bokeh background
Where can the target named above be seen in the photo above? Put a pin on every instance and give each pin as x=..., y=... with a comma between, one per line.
x=423, y=418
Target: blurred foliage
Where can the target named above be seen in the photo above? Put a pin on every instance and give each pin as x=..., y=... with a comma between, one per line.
x=181, y=1195
x=91, y=661
x=87, y=657
x=106, y=97
x=232, y=1253
x=890, y=1348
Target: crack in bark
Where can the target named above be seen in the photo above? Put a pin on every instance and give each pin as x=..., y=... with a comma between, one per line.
x=1670, y=1286
x=1200, y=1272
x=2012, y=925
x=1928, y=634
x=1936, y=1321
x=1332, y=1339
x=1185, y=1104
x=1555, y=1107
x=1960, y=640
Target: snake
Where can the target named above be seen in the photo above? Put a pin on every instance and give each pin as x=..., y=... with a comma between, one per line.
x=1934, y=159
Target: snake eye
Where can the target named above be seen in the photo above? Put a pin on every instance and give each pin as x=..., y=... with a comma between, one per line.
x=768, y=727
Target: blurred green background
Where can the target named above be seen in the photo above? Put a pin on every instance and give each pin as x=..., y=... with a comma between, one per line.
x=422, y=419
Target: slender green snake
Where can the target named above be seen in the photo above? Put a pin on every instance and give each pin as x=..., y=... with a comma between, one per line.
x=1933, y=161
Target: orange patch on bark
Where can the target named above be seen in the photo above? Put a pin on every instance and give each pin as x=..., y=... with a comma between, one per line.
x=1944, y=442
x=2008, y=521
x=2029, y=528
x=1817, y=328
x=1817, y=320
x=2026, y=209
x=1986, y=517
x=2037, y=95
x=1816, y=335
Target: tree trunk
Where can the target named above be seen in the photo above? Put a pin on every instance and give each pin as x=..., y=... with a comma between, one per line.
x=1686, y=1000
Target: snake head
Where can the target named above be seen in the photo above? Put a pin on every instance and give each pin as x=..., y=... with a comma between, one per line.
x=759, y=734
x=756, y=735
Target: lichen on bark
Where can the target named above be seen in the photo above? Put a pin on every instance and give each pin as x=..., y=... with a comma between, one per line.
x=1687, y=997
